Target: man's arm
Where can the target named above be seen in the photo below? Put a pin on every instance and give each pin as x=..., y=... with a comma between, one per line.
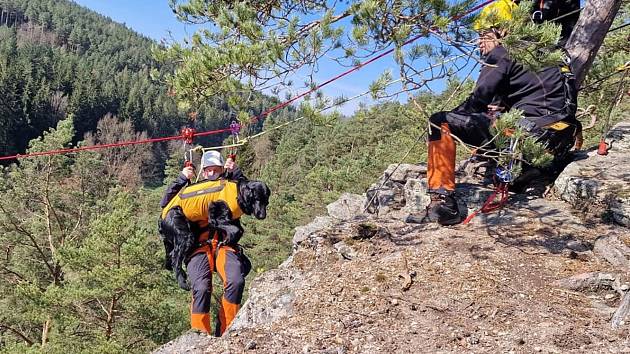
x=232, y=171
x=493, y=76
x=183, y=179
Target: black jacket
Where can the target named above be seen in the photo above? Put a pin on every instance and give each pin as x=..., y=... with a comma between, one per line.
x=235, y=175
x=540, y=95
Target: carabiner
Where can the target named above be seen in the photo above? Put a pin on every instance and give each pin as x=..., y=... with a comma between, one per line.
x=535, y=14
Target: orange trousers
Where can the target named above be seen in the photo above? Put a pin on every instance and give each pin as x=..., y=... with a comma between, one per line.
x=232, y=273
x=441, y=162
x=470, y=128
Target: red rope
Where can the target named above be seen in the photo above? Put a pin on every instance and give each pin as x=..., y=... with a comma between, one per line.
x=490, y=205
x=252, y=119
x=106, y=146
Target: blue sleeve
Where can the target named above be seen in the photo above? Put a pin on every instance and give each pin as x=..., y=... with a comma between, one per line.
x=173, y=189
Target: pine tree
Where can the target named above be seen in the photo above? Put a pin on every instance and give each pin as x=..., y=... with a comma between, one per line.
x=82, y=268
x=38, y=215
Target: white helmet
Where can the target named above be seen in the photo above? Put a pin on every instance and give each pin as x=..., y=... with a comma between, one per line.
x=211, y=158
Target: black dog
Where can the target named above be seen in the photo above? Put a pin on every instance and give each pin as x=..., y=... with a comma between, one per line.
x=180, y=236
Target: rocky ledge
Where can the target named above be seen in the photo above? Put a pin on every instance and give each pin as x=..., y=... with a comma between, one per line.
x=601, y=184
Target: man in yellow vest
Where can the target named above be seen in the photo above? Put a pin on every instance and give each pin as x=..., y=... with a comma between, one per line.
x=212, y=254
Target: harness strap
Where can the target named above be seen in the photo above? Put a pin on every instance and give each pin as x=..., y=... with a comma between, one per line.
x=216, y=253
x=210, y=243
x=203, y=191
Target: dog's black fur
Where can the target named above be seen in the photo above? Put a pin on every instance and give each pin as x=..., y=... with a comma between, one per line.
x=253, y=198
x=180, y=236
x=177, y=235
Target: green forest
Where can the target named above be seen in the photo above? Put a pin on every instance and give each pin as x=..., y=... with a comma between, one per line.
x=81, y=266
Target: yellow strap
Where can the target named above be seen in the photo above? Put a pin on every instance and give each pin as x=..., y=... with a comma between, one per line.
x=557, y=126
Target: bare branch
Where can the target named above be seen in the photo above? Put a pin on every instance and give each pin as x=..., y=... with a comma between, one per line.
x=18, y=333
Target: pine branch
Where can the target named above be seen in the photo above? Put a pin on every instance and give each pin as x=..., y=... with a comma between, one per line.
x=33, y=240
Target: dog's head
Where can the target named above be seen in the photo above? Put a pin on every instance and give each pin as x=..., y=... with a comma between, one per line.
x=253, y=198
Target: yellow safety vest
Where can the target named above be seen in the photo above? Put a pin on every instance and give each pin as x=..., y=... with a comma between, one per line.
x=194, y=200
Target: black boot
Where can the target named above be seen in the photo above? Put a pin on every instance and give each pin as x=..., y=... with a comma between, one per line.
x=443, y=209
x=447, y=211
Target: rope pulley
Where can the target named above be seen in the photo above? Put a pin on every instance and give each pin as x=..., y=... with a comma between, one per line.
x=505, y=174
x=235, y=129
x=188, y=134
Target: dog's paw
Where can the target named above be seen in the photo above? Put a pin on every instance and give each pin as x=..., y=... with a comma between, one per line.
x=168, y=265
x=231, y=233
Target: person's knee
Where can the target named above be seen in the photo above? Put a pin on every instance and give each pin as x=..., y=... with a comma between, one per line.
x=436, y=120
x=234, y=289
x=235, y=284
x=201, y=287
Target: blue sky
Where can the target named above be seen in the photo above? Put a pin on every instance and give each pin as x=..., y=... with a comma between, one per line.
x=154, y=18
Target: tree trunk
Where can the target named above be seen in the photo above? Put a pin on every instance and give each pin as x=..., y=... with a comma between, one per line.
x=109, y=329
x=589, y=33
